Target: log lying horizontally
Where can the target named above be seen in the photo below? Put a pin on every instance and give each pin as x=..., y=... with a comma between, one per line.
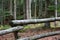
x=2, y=32
x=41, y=36
x=32, y=21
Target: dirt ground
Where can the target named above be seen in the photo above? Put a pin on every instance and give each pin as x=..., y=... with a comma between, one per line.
x=31, y=32
x=9, y=36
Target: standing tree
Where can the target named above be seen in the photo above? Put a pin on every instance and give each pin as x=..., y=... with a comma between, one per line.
x=55, y=11
x=15, y=33
x=40, y=9
x=24, y=8
x=47, y=24
x=15, y=9
x=56, y=8
x=11, y=7
x=2, y=13
x=28, y=9
x=35, y=8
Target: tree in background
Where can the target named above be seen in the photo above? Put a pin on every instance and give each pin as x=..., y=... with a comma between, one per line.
x=15, y=9
x=47, y=2
x=11, y=13
x=40, y=9
x=28, y=9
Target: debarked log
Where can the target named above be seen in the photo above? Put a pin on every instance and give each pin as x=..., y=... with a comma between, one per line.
x=2, y=32
x=33, y=21
x=41, y=36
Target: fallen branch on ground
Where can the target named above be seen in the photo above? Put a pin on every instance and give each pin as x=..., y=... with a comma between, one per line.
x=41, y=35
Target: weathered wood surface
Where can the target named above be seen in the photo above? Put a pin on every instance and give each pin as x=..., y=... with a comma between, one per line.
x=2, y=32
x=32, y=21
x=41, y=35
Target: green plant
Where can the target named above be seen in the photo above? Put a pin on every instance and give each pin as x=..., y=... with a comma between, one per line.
x=3, y=27
x=51, y=7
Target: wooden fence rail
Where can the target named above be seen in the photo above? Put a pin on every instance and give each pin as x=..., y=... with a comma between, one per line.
x=30, y=21
x=33, y=21
x=2, y=32
x=41, y=36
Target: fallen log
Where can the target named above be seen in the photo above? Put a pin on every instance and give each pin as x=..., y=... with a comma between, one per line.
x=2, y=32
x=33, y=21
x=41, y=36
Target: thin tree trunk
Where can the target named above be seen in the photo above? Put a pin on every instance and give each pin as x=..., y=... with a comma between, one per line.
x=55, y=12
x=11, y=7
x=2, y=14
x=35, y=8
x=45, y=8
x=16, y=32
x=40, y=9
x=15, y=9
x=24, y=9
x=47, y=24
x=56, y=8
x=28, y=9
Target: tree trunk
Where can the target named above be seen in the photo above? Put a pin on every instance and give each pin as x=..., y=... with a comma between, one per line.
x=16, y=32
x=2, y=16
x=35, y=8
x=28, y=9
x=11, y=7
x=15, y=9
x=40, y=9
x=47, y=24
x=24, y=9
x=55, y=12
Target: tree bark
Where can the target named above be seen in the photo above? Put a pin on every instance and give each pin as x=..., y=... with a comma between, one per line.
x=33, y=21
x=11, y=7
x=35, y=37
x=2, y=32
x=28, y=9
x=55, y=12
x=35, y=8
x=47, y=24
x=40, y=9
x=15, y=9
